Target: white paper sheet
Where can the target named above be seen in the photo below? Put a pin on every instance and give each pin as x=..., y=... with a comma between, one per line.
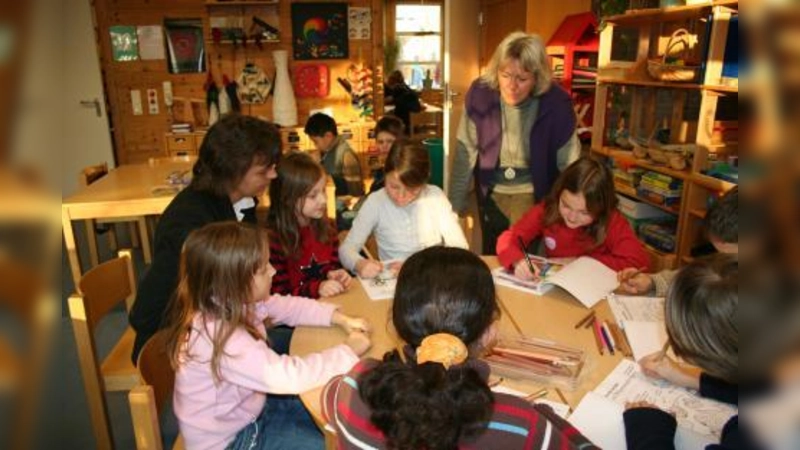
x=645, y=337
x=600, y=420
x=382, y=286
x=646, y=309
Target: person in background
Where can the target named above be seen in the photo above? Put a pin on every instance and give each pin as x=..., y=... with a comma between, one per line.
x=722, y=228
x=224, y=367
x=578, y=218
x=235, y=165
x=405, y=100
x=516, y=135
x=388, y=130
x=406, y=216
x=433, y=394
x=701, y=317
x=338, y=158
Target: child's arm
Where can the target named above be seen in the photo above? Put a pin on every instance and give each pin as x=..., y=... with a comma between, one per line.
x=363, y=225
x=528, y=228
x=623, y=248
x=452, y=234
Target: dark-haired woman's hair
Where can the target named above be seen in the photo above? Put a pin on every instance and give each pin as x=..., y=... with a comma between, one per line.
x=233, y=145
x=439, y=290
x=722, y=220
x=592, y=179
x=411, y=162
x=297, y=175
x=701, y=315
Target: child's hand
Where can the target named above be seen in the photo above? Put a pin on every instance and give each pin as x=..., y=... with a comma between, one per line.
x=329, y=288
x=341, y=276
x=523, y=272
x=350, y=324
x=395, y=267
x=369, y=268
x=358, y=342
x=658, y=365
x=632, y=281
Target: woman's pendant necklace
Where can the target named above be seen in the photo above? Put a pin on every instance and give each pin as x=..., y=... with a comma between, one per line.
x=510, y=173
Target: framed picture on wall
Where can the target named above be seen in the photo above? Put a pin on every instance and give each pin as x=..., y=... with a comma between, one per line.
x=185, y=45
x=319, y=31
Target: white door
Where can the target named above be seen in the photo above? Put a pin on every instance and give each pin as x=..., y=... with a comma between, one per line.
x=461, y=67
x=87, y=138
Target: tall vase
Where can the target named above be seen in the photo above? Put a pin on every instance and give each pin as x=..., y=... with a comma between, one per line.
x=284, y=106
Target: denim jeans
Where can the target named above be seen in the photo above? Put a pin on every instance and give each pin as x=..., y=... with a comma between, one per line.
x=284, y=423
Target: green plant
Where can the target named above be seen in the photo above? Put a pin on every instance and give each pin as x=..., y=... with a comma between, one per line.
x=610, y=8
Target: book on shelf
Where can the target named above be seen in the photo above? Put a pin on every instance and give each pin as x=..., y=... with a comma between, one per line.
x=587, y=279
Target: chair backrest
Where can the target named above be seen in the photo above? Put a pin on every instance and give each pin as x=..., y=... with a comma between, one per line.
x=148, y=401
x=103, y=287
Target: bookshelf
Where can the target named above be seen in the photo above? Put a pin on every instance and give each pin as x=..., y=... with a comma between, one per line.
x=633, y=107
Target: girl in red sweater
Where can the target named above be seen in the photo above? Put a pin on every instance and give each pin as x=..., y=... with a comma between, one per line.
x=579, y=217
x=304, y=248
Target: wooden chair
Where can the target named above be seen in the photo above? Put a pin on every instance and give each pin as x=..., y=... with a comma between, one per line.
x=24, y=295
x=88, y=176
x=148, y=400
x=102, y=288
x=425, y=124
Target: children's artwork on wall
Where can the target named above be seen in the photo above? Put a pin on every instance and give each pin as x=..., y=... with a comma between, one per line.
x=319, y=31
x=359, y=23
x=187, y=52
x=124, y=43
x=151, y=42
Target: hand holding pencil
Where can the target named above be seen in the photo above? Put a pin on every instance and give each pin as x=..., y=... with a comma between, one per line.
x=525, y=269
x=634, y=281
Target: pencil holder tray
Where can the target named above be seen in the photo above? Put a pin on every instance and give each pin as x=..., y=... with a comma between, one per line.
x=542, y=361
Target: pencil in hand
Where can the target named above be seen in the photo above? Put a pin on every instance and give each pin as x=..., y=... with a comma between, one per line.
x=531, y=266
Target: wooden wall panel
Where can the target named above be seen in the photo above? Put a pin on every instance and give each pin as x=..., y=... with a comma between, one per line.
x=138, y=137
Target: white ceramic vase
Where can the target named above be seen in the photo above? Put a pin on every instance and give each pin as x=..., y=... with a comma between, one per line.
x=284, y=105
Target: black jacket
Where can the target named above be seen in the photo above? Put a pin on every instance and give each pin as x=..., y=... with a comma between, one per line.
x=189, y=210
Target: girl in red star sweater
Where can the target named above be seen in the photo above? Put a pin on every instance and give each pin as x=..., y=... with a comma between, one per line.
x=578, y=217
x=304, y=248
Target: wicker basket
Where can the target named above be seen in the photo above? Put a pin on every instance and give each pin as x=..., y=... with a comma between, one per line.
x=679, y=43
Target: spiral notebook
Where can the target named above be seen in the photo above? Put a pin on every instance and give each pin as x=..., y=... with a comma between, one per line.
x=587, y=279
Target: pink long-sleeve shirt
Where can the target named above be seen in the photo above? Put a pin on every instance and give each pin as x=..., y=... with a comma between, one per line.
x=210, y=415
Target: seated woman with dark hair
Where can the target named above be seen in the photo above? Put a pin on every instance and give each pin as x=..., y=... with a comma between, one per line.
x=404, y=99
x=434, y=394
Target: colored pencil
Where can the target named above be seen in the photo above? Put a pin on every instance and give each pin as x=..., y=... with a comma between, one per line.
x=510, y=317
x=562, y=398
x=620, y=339
x=664, y=350
x=610, y=336
x=604, y=333
x=598, y=339
x=525, y=254
x=585, y=320
x=536, y=395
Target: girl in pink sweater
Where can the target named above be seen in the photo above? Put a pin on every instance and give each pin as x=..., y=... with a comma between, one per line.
x=223, y=363
x=579, y=217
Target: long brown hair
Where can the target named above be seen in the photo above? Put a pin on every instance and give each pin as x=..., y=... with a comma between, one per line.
x=411, y=162
x=589, y=177
x=297, y=175
x=218, y=263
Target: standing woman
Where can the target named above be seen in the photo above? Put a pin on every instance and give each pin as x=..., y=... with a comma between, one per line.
x=235, y=165
x=518, y=133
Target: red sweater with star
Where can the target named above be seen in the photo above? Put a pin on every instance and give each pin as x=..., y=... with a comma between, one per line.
x=619, y=250
x=302, y=273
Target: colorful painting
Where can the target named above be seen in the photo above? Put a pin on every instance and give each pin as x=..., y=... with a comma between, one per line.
x=319, y=31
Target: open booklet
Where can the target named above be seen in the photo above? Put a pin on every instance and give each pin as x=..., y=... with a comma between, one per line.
x=382, y=286
x=587, y=279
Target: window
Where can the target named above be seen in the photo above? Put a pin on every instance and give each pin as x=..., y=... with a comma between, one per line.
x=418, y=29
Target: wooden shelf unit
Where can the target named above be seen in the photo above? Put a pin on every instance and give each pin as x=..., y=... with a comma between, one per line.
x=654, y=27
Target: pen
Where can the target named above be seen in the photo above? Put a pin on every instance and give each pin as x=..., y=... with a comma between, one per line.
x=525, y=253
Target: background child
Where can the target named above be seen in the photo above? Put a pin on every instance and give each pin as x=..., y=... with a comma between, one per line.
x=405, y=100
x=406, y=216
x=578, y=217
x=722, y=227
x=388, y=130
x=304, y=248
x=338, y=158
x=434, y=395
x=701, y=318
x=236, y=163
x=224, y=367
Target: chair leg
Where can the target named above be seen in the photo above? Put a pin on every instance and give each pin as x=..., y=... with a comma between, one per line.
x=144, y=236
x=91, y=240
x=113, y=243
x=134, y=234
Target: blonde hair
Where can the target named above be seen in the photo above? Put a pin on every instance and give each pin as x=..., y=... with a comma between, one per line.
x=529, y=50
x=218, y=263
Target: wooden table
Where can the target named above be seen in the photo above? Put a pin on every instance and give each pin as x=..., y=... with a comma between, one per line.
x=550, y=317
x=124, y=192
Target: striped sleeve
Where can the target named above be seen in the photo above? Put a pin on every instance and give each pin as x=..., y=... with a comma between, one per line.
x=281, y=283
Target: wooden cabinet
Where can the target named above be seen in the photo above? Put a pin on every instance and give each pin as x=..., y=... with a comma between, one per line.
x=183, y=144
x=634, y=107
x=231, y=22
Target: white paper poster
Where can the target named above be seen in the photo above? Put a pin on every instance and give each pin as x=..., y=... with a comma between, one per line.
x=151, y=42
x=359, y=23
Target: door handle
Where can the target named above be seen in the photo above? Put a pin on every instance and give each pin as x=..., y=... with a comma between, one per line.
x=95, y=104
